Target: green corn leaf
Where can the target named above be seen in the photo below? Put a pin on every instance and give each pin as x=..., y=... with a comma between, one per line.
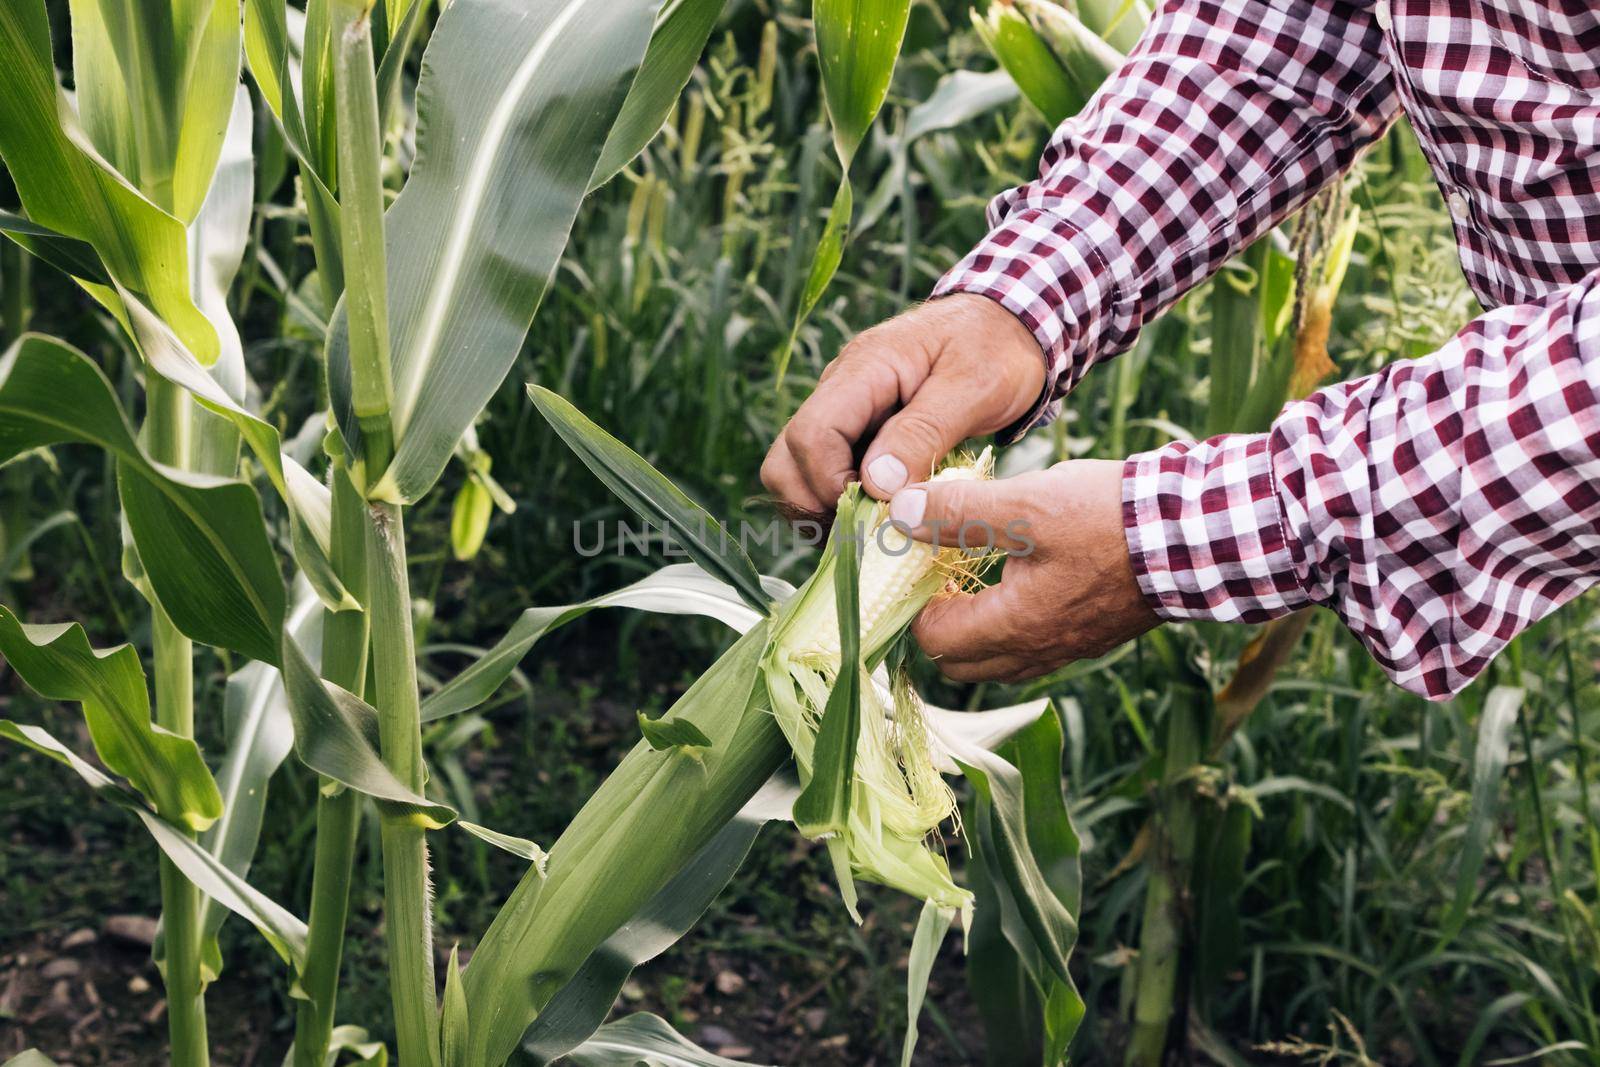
x=652, y=496
x=202, y=539
x=285, y=933
x=218, y=237
x=336, y=734
x=155, y=94
x=316, y=88
x=932, y=925
x=1236, y=342
x=960, y=97
x=633, y=837
x=267, y=53
x=206, y=552
x=64, y=187
x=1002, y=989
x=353, y=1040
x=668, y=733
x=1020, y=832
x=260, y=735
x=30, y=1058
x=677, y=589
x=58, y=663
x=681, y=31
x=823, y=807
x=395, y=53
x=824, y=265
x=17, y=550
x=67, y=254
x=644, y=1038
x=308, y=500
x=520, y=847
x=582, y=1005
x=475, y=235
x=453, y=1030
x=858, y=42
x=1219, y=880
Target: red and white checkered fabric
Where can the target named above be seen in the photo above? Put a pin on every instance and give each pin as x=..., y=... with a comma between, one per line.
x=1441, y=505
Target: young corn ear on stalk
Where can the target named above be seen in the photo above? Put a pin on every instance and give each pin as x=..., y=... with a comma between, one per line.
x=898, y=799
x=1057, y=55
x=758, y=704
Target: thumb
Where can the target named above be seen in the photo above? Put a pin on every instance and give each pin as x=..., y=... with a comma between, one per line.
x=939, y=416
x=968, y=513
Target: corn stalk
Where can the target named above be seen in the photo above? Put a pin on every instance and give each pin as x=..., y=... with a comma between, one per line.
x=1168, y=907
x=344, y=663
x=408, y=894
x=168, y=437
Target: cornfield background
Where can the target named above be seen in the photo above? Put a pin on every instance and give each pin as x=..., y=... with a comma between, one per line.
x=1359, y=876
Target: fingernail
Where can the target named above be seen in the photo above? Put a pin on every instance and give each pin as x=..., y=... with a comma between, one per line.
x=906, y=508
x=887, y=473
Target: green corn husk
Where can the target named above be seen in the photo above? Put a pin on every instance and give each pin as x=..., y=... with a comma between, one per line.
x=898, y=798
x=1056, y=58
x=1119, y=22
x=1025, y=56
x=1086, y=58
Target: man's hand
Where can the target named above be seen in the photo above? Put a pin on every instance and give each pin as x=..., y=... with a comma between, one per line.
x=1068, y=591
x=914, y=387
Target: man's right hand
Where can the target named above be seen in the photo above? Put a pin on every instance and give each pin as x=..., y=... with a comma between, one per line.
x=902, y=395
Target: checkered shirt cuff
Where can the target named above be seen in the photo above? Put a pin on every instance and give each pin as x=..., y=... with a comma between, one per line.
x=1206, y=531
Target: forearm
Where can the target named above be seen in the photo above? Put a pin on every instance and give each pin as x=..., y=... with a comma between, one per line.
x=1439, y=507
x=1225, y=118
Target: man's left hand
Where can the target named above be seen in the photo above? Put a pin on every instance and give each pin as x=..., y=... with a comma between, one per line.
x=1068, y=591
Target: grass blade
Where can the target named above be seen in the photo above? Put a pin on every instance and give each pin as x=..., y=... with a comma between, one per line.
x=1499, y=714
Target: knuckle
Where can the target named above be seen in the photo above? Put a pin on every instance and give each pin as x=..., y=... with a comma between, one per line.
x=865, y=347
x=806, y=437
x=772, y=471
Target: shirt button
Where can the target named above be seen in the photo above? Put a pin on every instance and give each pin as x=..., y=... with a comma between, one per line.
x=1381, y=13
x=1457, y=204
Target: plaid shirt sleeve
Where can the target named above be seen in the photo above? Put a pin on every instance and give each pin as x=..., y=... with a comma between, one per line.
x=1226, y=117
x=1440, y=506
